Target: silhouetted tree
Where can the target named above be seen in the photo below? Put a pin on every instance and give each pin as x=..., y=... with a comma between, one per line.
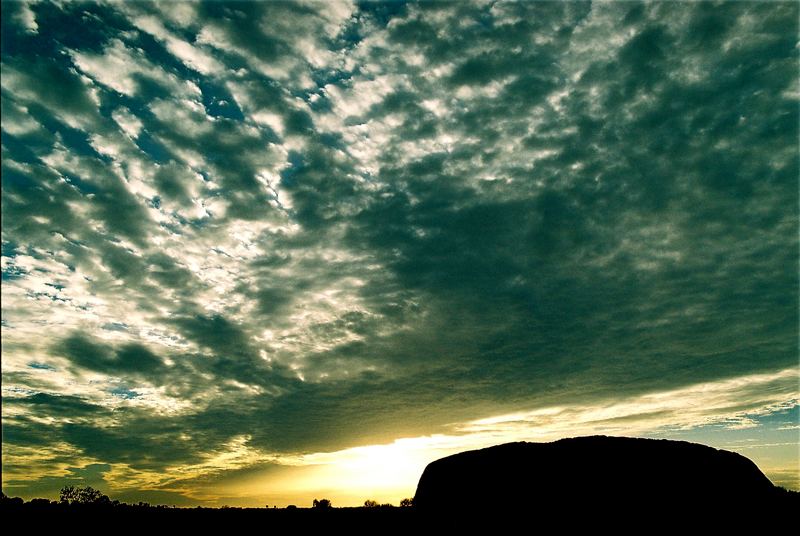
x=369, y=503
x=8, y=502
x=85, y=495
x=407, y=502
x=322, y=504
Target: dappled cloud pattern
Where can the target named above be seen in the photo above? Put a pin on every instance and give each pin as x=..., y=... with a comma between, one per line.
x=241, y=240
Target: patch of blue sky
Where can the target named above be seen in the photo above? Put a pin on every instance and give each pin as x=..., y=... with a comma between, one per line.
x=123, y=392
x=40, y=366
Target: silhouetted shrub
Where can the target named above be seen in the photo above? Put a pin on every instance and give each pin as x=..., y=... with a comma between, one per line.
x=322, y=504
x=369, y=503
x=407, y=502
x=9, y=502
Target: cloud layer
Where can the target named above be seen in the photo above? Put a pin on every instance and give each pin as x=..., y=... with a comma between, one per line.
x=239, y=234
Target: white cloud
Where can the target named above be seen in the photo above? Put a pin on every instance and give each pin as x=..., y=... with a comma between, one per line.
x=192, y=56
x=183, y=14
x=129, y=123
x=725, y=401
x=26, y=17
x=335, y=13
x=17, y=121
x=119, y=66
x=186, y=116
x=304, y=36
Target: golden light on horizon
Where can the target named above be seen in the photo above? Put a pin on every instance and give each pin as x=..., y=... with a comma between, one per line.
x=386, y=472
x=389, y=472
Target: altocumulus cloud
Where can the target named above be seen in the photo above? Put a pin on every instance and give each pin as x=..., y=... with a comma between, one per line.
x=245, y=239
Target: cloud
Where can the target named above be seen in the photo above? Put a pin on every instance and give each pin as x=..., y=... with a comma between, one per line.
x=126, y=70
x=264, y=232
x=194, y=57
x=131, y=359
x=24, y=17
x=26, y=79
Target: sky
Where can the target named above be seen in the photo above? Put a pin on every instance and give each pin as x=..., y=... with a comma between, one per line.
x=265, y=252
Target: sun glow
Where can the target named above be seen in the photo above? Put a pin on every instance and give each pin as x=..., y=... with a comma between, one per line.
x=386, y=472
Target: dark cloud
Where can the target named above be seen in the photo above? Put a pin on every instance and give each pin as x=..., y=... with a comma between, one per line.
x=215, y=333
x=32, y=76
x=128, y=360
x=133, y=446
x=171, y=181
x=60, y=405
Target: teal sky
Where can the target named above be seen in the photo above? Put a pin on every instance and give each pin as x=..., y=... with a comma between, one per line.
x=257, y=252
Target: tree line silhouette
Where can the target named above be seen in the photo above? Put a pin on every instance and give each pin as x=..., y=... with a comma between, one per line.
x=89, y=498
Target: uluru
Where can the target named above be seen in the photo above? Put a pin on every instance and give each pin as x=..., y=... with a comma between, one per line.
x=612, y=475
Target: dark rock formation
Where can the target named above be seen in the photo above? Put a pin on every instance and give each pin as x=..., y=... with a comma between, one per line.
x=598, y=476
